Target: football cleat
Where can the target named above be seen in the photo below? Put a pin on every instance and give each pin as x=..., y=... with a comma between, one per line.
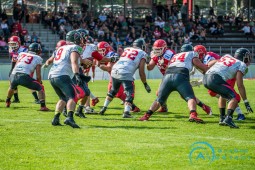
x=69, y=121
x=80, y=114
x=193, y=118
x=163, y=109
x=102, y=111
x=55, y=121
x=229, y=122
x=145, y=117
x=44, y=109
x=221, y=122
x=136, y=109
x=16, y=101
x=207, y=109
x=37, y=101
x=8, y=103
x=127, y=115
x=240, y=117
x=94, y=101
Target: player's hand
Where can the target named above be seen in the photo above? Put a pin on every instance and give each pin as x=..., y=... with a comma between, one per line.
x=147, y=87
x=87, y=62
x=248, y=107
x=45, y=66
x=85, y=78
x=78, y=79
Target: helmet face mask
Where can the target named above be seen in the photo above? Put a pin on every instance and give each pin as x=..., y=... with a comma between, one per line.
x=243, y=55
x=201, y=50
x=84, y=35
x=14, y=43
x=103, y=48
x=159, y=47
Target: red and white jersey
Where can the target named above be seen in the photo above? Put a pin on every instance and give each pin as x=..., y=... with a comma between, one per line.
x=62, y=62
x=129, y=61
x=183, y=60
x=210, y=56
x=14, y=54
x=27, y=63
x=163, y=61
x=90, y=50
x=227, y=67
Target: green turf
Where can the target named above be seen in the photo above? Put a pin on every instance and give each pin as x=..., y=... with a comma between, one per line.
x=29, y=141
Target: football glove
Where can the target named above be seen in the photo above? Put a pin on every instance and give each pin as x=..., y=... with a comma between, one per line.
x=114, y=59
x=195, y=83
x=248, y=107
x=78, y=79
x=147, y=87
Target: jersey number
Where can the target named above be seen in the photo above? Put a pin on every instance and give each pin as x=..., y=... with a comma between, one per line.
x=227, y=61
x=27, y=60
x=181, y=58
x=131, y=54
x=58, y=55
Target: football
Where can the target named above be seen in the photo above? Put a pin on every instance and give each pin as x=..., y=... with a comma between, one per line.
x=86, y=64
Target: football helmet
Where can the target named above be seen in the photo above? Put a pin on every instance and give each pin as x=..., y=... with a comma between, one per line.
x=74, y=37
x=60, y=43
x=243, y=54
x=84, y=35
x=159, y=47
x=186, y=48
x=35, y=48
x=140, y=43
x=201, y=50
x=103, y=48
x=14, y=43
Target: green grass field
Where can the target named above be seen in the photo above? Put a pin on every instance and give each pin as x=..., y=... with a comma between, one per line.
x=29, y=141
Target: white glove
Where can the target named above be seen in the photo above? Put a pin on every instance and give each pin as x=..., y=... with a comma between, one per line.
x=195, y=83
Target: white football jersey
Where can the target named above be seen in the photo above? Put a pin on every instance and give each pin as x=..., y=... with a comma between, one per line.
x=62, y=62
x=183, y=60
x=227, y=66
x=27, y=63
x=88, y=50
x=125, y=67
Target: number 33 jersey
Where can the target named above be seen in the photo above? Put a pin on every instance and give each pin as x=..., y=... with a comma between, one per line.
x=26, y=63
x=227, y=66
x=129, y=61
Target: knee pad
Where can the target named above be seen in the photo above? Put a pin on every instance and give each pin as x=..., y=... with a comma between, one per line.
x=161, y=102
x=129, y=99
x=111, y=93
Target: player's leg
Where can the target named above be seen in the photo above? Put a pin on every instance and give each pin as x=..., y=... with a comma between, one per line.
x=110, y=95
x=15, y=95
x=13, y=85
x=129, y=91
x=203, y=106
x=162, y=108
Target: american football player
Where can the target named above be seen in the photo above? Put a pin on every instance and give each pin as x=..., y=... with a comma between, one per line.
x=215, y=79
x=122, y=72
x=106, y=50
x=27, y=63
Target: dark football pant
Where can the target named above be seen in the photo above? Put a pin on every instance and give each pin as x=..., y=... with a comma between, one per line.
x=26, y=81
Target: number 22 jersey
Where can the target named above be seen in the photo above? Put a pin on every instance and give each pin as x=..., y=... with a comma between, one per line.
x=129, y=61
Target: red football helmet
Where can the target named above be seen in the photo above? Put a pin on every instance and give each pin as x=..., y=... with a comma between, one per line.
x=103, y=48
x=14, y=43
x=60, y=43
x=201, y=50
x=159, y=47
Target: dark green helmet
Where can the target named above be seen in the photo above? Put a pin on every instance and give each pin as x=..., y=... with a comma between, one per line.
x=84, y=33
x=140, y=43
x=186, y=48
x=35, y=48
x=243, y=54
x=74, y=37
